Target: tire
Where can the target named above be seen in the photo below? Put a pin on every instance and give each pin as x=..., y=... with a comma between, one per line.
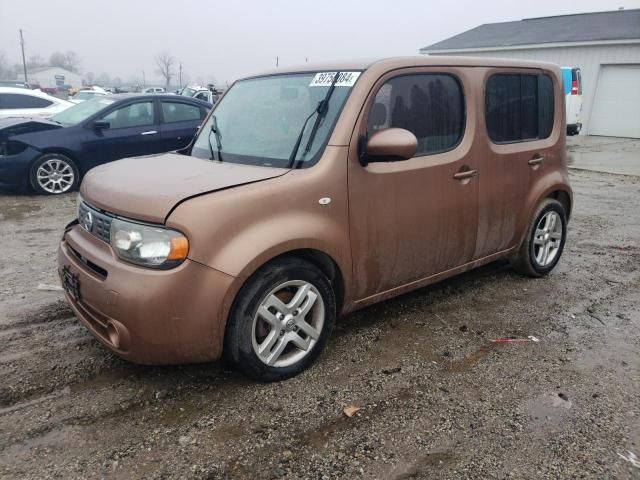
x=54, y=174
x=543, y=233
x=267, y=346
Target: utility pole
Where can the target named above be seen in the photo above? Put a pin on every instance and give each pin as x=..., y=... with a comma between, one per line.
x=180, y=76
x=24, y=62
x=277, y=61
x=144, y=82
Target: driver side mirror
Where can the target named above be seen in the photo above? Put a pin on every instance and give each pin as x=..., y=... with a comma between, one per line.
x=101, y=125
x=390, y=145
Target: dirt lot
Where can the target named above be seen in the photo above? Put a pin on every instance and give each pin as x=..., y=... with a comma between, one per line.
x=437, y=399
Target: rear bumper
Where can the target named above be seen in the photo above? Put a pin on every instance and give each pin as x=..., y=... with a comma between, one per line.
x=14, y=169
x=143, y=315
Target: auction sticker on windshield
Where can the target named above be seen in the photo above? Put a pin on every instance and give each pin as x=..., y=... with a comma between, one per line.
x=325, y=79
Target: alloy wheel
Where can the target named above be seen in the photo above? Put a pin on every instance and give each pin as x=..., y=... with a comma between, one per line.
x=547, y=239
x=288, y=323
x=55, y=176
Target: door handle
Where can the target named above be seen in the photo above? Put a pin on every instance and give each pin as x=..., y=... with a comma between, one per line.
x=536, y=160
x=150, y=132
x=465, y=174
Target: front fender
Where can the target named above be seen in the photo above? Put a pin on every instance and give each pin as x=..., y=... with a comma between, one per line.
x=238, y=230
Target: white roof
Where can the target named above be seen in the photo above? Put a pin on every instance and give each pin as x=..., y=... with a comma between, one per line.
x=32, y=93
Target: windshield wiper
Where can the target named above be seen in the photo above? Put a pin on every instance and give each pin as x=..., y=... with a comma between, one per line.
x=321, y=111
x=216, y=132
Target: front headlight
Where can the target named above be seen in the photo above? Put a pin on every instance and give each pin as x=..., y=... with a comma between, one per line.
x=147, y=245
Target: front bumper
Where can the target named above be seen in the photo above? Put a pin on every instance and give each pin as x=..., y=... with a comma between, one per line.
x=143, y=315
x=14, y=169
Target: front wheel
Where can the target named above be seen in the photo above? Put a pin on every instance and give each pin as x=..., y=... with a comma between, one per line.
x=53, y=174
x=544, y=242
x=281, y=320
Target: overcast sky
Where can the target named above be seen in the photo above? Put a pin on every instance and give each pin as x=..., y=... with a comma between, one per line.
x=233, y=38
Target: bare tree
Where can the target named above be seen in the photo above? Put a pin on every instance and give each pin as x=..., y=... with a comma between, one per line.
x=164, y=62
x=103, y=79
x=89, y=78
x=6, y=72
x=35, y=61
x=69, y=60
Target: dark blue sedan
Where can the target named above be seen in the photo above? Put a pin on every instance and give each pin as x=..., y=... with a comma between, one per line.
x=51, y=156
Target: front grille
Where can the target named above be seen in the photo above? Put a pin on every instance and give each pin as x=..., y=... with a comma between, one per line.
x=95, y=222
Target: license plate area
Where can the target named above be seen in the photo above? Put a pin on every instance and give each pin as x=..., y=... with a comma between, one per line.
x=70, y=282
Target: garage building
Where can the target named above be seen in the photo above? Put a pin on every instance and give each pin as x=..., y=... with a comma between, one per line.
x=51, y=77
x=604, y=45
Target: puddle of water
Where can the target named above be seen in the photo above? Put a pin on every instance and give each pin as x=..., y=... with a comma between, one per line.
x=549, y=407
x=34, y=401
x=54, y=438
x=470, y=360
x=17, y=212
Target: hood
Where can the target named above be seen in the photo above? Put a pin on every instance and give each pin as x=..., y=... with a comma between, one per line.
x=27, y=124
x=25, y=130
x=147, y=188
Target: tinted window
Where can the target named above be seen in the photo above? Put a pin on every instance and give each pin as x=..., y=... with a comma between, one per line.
x=179, y=112
x=13, y=100
x=518, y=107
x=529, y=106
x=431, y=106
x=545, y=101
x=134, y=115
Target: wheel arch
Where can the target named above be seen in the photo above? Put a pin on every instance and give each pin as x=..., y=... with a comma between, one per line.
x=63, y=151
x=317, y=257
x=554, y=187
x=564, y=198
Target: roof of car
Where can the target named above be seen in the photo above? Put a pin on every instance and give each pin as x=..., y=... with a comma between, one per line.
x=404, y=62
x=23, y=91
x=124, y=96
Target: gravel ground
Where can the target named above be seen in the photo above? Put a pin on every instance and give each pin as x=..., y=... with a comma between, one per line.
x=437, y=398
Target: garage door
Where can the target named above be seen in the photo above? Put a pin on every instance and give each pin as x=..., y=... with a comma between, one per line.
x=616, y=109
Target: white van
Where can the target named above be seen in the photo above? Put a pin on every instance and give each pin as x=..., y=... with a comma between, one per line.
x=572, y=79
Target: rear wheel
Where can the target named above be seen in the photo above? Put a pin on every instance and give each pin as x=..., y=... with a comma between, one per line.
x=281, y=320
x=53, y=174
x=544, y=242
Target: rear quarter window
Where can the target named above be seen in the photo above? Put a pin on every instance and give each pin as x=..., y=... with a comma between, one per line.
x=16, y=100
x=519, y=107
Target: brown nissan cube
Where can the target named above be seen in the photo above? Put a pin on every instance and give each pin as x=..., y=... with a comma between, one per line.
x=309, y=193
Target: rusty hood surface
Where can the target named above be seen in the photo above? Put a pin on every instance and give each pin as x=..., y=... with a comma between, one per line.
x=148, y=188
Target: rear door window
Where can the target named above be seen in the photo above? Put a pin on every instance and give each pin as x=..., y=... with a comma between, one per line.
x=179, y=112
x=518, y=107
x=429, y=105
x=16, y=100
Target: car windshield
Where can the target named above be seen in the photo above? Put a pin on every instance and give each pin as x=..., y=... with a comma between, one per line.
x=259, y=120
x=82, y=111
x=188, y=92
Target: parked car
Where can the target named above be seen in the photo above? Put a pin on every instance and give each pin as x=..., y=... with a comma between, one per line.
x=154, y=90
x=51, y=156
x=310, y=193
x=14, y=84
x=572, y=82
x=208, y=94
x=20, y=102
x=87, y=94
